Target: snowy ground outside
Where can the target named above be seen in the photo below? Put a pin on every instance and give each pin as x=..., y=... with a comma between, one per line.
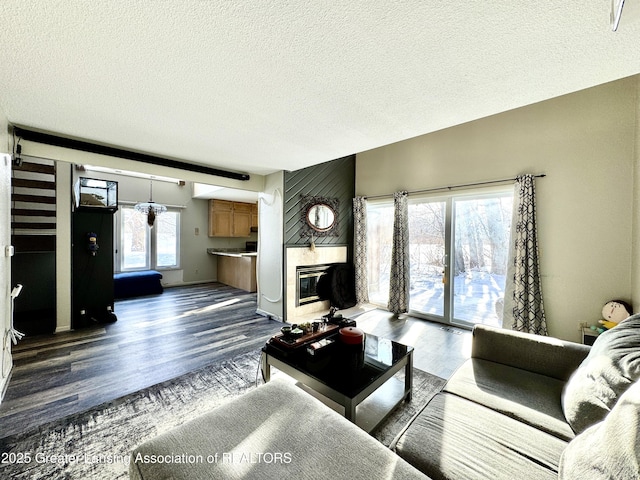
x=477, y=296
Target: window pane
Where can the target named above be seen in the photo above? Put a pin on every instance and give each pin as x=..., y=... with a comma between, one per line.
x=135, y=240
x=427, y=254
x=481, y=247
x=379, y=244
x=167, y=226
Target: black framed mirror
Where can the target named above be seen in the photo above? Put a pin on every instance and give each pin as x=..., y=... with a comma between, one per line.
x=319, y=216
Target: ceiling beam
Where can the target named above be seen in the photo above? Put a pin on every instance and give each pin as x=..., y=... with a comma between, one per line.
x=85, y=146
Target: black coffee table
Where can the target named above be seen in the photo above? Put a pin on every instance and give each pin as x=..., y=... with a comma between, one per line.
x=366, y=386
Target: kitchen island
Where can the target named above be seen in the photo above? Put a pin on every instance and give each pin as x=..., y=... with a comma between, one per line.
x=236, y=268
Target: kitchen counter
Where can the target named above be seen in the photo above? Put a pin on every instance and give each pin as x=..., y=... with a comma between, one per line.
x=231, y=252
x=236, y=268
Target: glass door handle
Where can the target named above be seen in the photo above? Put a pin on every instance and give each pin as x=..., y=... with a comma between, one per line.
x=445, y=259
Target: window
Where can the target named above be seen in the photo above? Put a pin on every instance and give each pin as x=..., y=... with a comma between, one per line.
x=379, y=244
x=167, y=230
x=142, y=247
x=458, y=247
x=134, y=241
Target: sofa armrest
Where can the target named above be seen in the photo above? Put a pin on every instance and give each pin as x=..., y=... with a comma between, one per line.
x=536, y=353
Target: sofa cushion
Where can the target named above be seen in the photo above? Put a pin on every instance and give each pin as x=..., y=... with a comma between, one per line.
x=274, y=431
x=612, y=365
x=454, y=438
x=526, y=396
x=611, y=448
x=535, y=353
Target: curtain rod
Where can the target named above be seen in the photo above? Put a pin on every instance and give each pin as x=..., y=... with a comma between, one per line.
x=58, y=141
x=451, y=187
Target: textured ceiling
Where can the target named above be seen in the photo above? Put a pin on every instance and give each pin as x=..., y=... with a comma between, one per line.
x=264, y=85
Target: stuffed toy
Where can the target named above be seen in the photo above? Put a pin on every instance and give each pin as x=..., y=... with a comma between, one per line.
x=614, y=312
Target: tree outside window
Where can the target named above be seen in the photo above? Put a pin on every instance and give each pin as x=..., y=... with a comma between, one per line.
x=458, y=247
x=143, y=247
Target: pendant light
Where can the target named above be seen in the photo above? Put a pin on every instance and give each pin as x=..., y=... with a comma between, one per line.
x=150, y=208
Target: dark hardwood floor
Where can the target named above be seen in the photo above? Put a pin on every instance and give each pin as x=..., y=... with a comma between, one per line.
x=160, y=337
x=439, y=349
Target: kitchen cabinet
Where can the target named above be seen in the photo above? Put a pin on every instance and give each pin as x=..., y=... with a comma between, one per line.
x=254, y=215
x=241, y=220
x=237, y=270
x=220, y=218
x=231, y=219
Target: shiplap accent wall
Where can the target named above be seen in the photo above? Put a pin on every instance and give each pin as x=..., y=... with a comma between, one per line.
x=331, y=179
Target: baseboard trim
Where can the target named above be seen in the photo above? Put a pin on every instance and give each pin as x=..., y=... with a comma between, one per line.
x=269, y=315
x=187, y=284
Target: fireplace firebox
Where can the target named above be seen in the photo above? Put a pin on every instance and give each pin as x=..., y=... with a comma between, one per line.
x=307, y=277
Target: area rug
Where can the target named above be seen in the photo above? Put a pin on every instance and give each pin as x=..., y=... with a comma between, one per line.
x=95, y=444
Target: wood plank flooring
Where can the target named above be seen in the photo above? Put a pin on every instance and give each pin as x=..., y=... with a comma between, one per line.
x=160, y=337
x=439, y=349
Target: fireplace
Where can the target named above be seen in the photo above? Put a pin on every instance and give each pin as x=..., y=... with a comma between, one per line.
x=302, y=256
x=307, y=277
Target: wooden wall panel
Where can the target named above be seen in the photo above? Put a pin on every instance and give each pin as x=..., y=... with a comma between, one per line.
x=334, y=179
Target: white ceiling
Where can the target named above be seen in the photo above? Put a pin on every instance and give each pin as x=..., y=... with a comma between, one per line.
x=265, y=85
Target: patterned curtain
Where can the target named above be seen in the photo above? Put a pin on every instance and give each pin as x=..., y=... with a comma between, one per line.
x=523, y=292
x=399, y=281
x=360, y=249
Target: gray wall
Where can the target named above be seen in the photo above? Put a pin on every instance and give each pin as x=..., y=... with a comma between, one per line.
x=585, y=143
x=334, y=179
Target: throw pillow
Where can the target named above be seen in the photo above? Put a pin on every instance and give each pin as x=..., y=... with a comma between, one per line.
x=609, y=449
x=611, y=366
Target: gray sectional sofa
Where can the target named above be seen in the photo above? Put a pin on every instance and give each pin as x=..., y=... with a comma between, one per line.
x=276, y=431
x=523, y=406
x=532, y=407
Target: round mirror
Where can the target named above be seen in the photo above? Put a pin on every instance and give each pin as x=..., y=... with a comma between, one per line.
x=321, y=217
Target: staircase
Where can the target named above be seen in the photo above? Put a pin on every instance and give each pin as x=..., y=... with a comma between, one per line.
x=33, y=206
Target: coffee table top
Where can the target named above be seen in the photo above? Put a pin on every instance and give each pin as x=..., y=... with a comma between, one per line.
x=342, y=367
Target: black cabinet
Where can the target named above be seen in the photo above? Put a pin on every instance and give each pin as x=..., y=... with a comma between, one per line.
x=92, y=267
x=35, y=308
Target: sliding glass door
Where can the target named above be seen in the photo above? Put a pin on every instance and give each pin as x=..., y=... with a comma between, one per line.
x=458, y=255
x=480, y=250
x=428, y=227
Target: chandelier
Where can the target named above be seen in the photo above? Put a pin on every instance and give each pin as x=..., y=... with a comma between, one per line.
x=150, y=208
